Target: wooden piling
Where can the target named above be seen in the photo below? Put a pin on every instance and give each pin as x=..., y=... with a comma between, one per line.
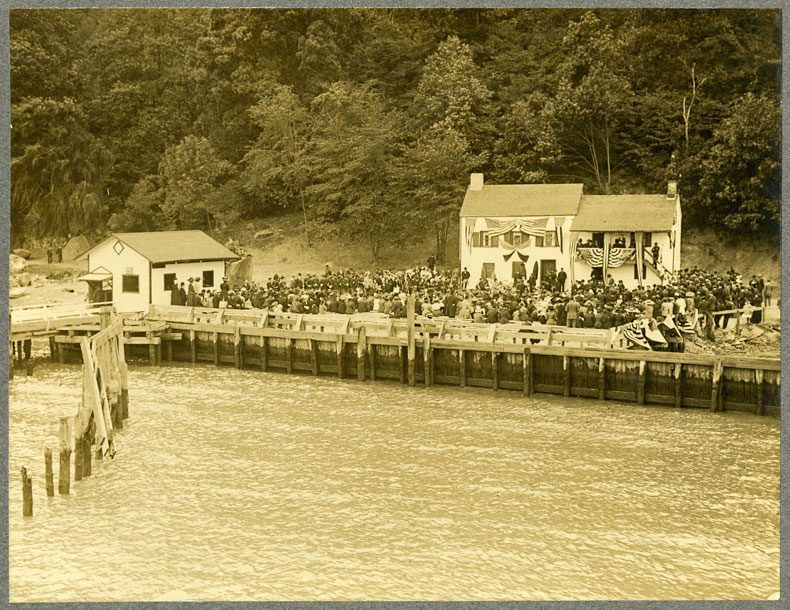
x=601, y=378
x=758, y=380
x=361, y=349
x=640, y=384
x=151, y=348
x=264, y=353
x=462, y=367
x=289, y=351
x=528, y=372
x=192, y=347
x=314, y=356
x=715, y=379
x=402, y=357
x=169, y=351
x=566, y=376
x=27, y=494
x=87, y=448
x=53, y=350
x=78, y=445
x=65, y=456
x=48, y=478
x=340, y=363
x=371, y=352
x=215, y=344
x=411, y=347
x=238, y=356
x=495, y=370
x=426, y=352
x=678, y=385
x=29, y=368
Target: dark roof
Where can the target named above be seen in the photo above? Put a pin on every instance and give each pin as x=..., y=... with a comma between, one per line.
x=625, y=213
x=171, y=246
x=522, y=200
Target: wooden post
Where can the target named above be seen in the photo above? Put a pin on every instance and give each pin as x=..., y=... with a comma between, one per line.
x=678, y=385
x=715, y=379
x=462, y=367
x=192, y=347
x=105, y=316
x=65, y=457
x=48, y=478
x=340, y=350
x=426, y=353
x=361, y=349
x=372, y=360
x=28, y=368
x=602, y=378
x=314, y=355
x=237, y=349
x=169, y=351
x=27, y=494
x=264, y=350
x=117, y=407
x=151, y=348
x=758, y=379
x=78, y=444
x=411, y=348
x=61, y=350
x=87, y=447
x=640, y=387
x=289, y=350
x=566, y=376
x=402, y=356
x=216, y=349
x=53, y=350
x=528, y=372
x=495, y=370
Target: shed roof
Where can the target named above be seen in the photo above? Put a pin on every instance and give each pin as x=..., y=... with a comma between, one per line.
x=522, y=200
x=625, y=213
x=171, y=246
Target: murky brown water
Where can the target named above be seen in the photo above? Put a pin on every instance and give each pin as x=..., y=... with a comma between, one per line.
x=238, y=485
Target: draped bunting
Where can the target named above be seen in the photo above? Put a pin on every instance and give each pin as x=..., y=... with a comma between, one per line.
x=639, y=256
x=607, y=247
x=574, y=243
x=521, y=255
x=559, y=221
x=469, y=231
x=528, y=226
x=617, y=256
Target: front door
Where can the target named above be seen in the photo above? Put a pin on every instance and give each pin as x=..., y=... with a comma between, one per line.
x=519, y=270
x=547, y=267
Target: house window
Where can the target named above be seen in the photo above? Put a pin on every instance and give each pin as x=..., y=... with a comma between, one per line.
x=516, y=237
x=538, y=241
x=549, y=241
x=488, y=271
x=170, y=280
x=208, y=279
x=488, y=240
x=130, y=283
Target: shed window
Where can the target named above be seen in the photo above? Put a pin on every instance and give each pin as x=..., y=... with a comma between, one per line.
x=131, y=283
x=208, y=279
x=170, y=280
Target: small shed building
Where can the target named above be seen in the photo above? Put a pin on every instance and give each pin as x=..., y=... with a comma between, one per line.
x=138, y=269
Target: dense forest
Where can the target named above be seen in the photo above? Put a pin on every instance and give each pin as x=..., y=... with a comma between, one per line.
x=369, y=121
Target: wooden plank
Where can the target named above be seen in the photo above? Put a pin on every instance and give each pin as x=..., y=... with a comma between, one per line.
x=529, y=371
x=192, y=346
x=495, y=370
x=215, y=347
x=402, y=364
x=715, y=379
x=361, y=349
x=237, y=348
x=340, y=356
x=289, y=348
x=371, y=355
x=264, y=353
x=566, y=376
x=462, y=367
x=314, y=356
x=428, y=358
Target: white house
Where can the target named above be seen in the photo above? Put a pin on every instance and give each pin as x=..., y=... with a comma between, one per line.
x=140, y=268
x=513, y=230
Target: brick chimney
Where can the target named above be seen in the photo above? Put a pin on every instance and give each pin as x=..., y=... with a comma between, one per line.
x=476, y=182
x=672, y=189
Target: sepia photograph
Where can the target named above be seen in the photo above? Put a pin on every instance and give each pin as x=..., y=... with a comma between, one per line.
x=394, y=304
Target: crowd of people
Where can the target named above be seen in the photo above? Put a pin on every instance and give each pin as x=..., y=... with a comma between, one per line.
x=585, y=304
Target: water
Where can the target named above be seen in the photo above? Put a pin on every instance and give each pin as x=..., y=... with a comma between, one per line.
x=239, y=485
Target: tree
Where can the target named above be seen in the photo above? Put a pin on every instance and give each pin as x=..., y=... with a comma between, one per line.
x=741, y=173
x=432, y=178
x=276, y=168
x=192, y=175
x=58, y=170
x=351, y=155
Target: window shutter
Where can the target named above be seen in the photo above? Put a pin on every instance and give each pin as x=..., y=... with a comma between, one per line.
x=476, y=239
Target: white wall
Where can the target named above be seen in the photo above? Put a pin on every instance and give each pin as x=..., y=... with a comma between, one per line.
x=183, y=271
x=474, y=257
x=127, y=262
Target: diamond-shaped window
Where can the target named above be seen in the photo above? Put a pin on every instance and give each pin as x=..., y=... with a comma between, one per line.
x=118, y=247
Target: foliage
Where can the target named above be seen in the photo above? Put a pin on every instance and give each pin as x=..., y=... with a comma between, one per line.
x=371, y=119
